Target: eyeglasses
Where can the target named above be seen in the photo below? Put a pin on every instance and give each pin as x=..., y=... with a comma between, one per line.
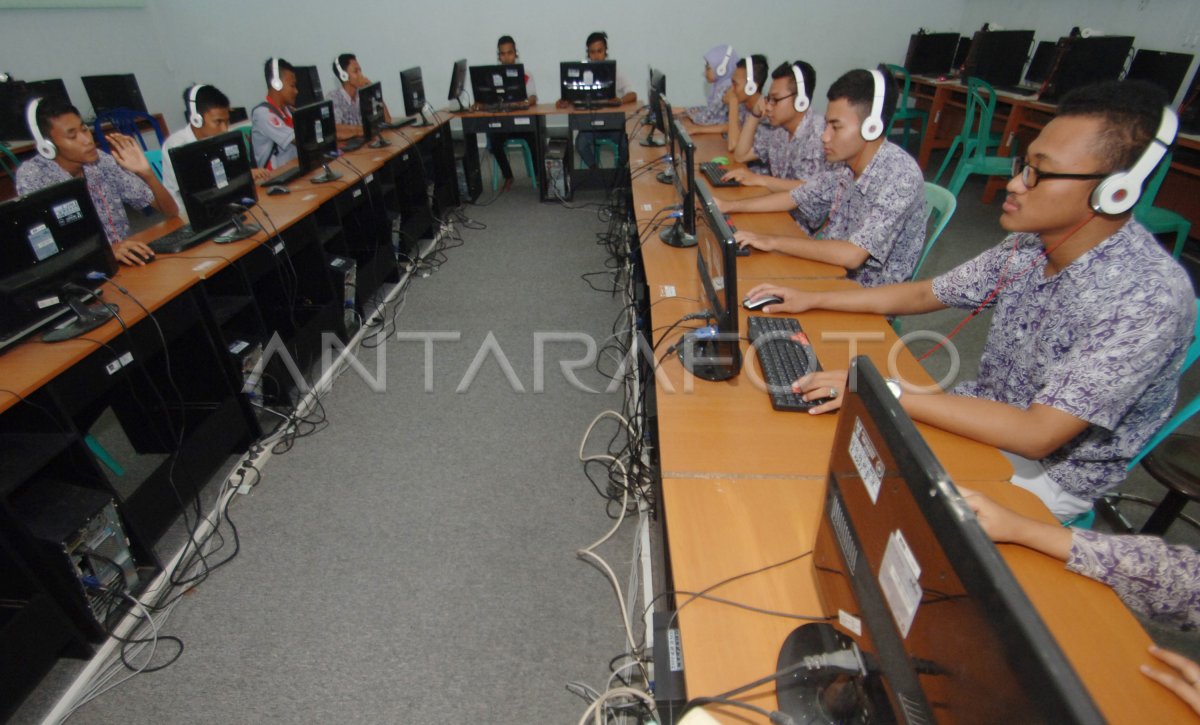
x=771, y=100
x=1031, y=176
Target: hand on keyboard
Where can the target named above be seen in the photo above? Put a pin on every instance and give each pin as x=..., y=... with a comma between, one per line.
x=750, y=240
x=744, y=176
x=828, y=386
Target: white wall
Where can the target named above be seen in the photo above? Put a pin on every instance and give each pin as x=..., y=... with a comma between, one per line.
x=1172, y=25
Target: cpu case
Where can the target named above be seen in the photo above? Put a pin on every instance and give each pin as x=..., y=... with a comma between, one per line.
x=558, y=177
x=345, y=275
x=248, y=356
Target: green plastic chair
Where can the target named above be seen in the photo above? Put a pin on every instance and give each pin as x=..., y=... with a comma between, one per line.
x=8, y=161
x=904, y=114
x=1157, y=219
x=155, y=157
x=939, y=207
x=976, y=138
x=514, y=143
x=604, y=143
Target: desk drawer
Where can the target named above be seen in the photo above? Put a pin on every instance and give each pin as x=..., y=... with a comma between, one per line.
x=495, y=124
x=597, y=122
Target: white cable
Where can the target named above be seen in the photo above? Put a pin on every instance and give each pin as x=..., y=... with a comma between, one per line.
x=595, y=710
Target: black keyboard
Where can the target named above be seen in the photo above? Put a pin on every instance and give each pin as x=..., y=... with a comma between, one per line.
x=353, y=144
x=504, y=107
x=182, y=238
x=714, y=171
x=406, y=121
x=284, y=178
x=784, y=354
x=1019, y=90
x=605, y=103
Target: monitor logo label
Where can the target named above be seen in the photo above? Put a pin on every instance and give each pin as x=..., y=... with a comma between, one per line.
x=899, y=578
x=866, y=460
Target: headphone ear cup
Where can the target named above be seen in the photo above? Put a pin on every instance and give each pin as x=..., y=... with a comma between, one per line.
x=751, y=87
x=45, y=147
x=1117, y=194
x=801, y=104
x=196, y=120
x=277, y=84
x=724, y=67
x=872, y=128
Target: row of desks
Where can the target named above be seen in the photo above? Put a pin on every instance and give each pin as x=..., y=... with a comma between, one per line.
x=743, y=486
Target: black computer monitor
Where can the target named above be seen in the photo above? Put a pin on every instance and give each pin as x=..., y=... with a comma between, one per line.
x=960, y=54
x=413, y=89
x=1083, y=61
x=1042, y=63
x=919, y=590
x=108, y=93
x=458, y=82
x=50, y=241
x=215, y=184
x=683, y=174
x=371, y=109
x=656, y=90
x=496, y=85
x=1161, y=67
x=316, y=138
x=714, y=352
x=15, y=97
x=998, y=56
x=308, y=85
x=1189, y=110
x=586, y=82
x=930, y=53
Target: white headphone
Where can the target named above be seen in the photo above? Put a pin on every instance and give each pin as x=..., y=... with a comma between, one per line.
x=45, y=146
x=751, y=87
x=194, y=117
x=342, y=75
x=722, y=69
x=276, y=81
x=1119, y=192
x=872, y=126
x=802, y=102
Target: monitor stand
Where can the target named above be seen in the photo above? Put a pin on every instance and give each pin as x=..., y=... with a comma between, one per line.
x=650, y=141
x=328, y=176
x=422, y=119
x=821, y=694
x=240, y=231
x=674, y=236
x=666, y=177
x=379, y=142
x=708, y=357
x=86, y=318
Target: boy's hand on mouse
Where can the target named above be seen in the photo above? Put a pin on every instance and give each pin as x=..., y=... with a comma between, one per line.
x=132, y=252
x=793, y=299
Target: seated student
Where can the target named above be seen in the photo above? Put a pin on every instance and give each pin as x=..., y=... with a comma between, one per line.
x=585, y=141
x=66, y=149
x=346, y=115
x=506, y=53
x=272, y=135
x=720, y=62
x=744, y=99
x=791, y=145
x=1092, y=317
x=868, y=214
x=206, y=110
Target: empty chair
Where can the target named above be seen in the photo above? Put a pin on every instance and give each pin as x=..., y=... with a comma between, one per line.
x=1159, y=220
x=125, y=121
x=904, y=114
x=976, y=138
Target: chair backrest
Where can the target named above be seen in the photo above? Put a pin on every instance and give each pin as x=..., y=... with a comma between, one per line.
x=1186, y=411
x=899, y=70
x=8, y=161
x=981, y=101
x=125, y=121
x=155, y=157
x=939, y=207
x=1146, y=200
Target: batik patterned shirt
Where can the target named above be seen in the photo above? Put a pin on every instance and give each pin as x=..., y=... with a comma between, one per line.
x=345, y=108
x=1153, y=579
x=882, y=211
x=1102, y=340
x=110, y=186
x=793, y=156
x=715, y=111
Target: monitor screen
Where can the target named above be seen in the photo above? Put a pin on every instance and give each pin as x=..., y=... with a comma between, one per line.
x=414, y=91
x=1083, y=61
x=930, y=53
x=48, y=240
x=308, y=83
x=458, y=80
x=214, y=178
x=657, y=88
x=15, y=96
x=714, y=352
x=370, y=107
x=108, y=93
x=316, y=136
x=1042, y=63
x=998, y=56
x=495, y=84
x=584, y=81
x=1161, y=67
x=912, y=579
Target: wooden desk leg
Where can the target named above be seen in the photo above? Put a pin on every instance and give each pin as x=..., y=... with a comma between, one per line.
x=1007, y=144
x=935, y=120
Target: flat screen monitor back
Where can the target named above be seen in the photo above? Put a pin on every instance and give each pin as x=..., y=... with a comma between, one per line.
x=998, y=56
x=1083, y=61
x=308, y=83
x=15, y=97
x=930, y=53
x=108, y=93
x=1164, y=69
x=316, y=134
x=413, y=88
x=1042, y=62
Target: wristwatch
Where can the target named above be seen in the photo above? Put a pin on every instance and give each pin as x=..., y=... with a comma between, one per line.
x=894, y=386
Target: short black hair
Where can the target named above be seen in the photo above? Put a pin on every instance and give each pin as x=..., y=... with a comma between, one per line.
x=758, y=65
x=343, y=61
x=807, y=71
x=505, y=40
x=858, y=88
x=598, y=37
x=50, y=108
x=207, y=98
x=283, y=66
x=1130, y=110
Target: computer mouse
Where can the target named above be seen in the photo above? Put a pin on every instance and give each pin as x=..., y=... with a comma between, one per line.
x=742, y=252
x=722, y=160
x=277, y=190
x=760, y=302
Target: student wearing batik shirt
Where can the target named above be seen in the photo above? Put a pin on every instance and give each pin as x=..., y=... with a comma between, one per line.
x=346, y=114
x=719, y=65
x=113, y=180
x=271, y=132
x=1092, y=318
x=744, y=98
x=867, y=213
x=791, y=146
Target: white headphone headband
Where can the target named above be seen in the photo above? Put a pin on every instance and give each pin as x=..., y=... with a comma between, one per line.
x=872, y=126
x=802, y=100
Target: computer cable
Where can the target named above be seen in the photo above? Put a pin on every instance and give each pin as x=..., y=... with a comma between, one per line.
x=291, y=287
x=596, y=710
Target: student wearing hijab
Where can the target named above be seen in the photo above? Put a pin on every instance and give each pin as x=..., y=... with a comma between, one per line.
x=719, y=64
